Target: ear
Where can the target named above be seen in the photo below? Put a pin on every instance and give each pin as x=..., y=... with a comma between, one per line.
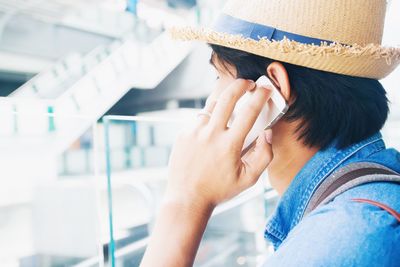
x=278, y=74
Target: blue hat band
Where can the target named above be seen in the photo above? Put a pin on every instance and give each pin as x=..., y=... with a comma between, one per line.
x=230, y=25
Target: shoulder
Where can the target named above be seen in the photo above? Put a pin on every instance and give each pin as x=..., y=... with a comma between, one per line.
x=346, y=233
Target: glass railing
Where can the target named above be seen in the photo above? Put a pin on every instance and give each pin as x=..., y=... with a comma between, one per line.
x=48, y=217
x=138, y=149
x=391, y=131
x=92, y=200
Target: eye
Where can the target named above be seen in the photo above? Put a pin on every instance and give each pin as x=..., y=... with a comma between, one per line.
x=217, y=78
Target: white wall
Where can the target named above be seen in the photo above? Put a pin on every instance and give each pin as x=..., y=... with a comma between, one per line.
x=392, y=82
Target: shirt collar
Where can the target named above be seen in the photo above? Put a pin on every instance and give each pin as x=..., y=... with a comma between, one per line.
x=294, y=201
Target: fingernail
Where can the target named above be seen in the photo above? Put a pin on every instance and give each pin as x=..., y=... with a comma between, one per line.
x=252, y=84
x=268, y=136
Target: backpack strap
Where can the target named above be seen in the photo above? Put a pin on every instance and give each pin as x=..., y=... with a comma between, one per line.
x=348, y=177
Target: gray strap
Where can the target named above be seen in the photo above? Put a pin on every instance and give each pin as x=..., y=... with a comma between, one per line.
x=348, y=177
x=360, y=181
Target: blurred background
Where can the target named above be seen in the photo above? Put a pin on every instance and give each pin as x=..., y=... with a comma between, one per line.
x=92, y=95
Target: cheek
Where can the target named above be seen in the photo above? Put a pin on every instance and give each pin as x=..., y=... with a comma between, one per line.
x=220, y=85
x=225, y=80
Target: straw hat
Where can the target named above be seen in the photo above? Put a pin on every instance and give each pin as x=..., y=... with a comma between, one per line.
x=340, y=36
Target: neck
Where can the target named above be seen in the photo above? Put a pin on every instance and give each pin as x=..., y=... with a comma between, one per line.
x=290, y=156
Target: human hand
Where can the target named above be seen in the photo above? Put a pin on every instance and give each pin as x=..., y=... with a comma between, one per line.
x=206, y=166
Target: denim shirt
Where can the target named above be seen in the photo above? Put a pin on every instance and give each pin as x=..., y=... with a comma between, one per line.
x=342, y=232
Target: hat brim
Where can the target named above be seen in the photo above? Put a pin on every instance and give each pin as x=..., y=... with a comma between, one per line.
x=369, y=61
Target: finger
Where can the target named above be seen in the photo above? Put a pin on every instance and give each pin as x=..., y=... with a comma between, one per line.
x=210, y=104
x=227, y=101
x=256, y=160
x=203, y=118
x=244, y=121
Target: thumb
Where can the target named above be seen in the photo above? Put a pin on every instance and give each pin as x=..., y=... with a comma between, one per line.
x=255, y=161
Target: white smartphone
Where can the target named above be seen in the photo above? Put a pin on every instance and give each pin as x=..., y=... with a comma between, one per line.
x=273, y=110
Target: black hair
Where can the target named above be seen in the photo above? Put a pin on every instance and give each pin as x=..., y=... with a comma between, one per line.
x=331, y=106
